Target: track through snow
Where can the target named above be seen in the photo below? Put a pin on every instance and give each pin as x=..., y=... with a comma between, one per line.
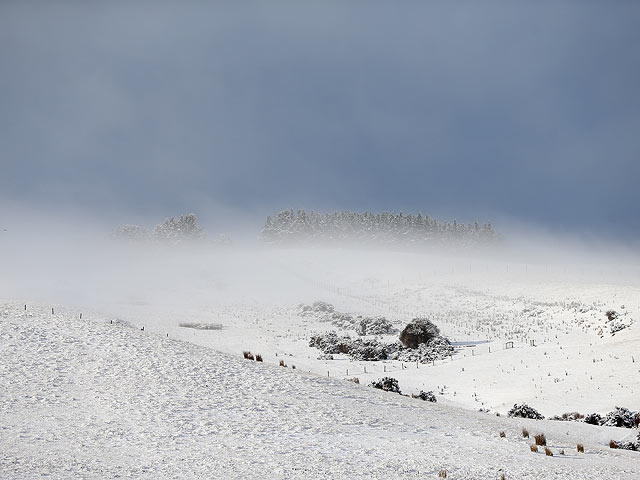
x=86, y=398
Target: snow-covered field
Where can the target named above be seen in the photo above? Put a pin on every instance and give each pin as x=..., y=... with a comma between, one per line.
x=93, y=399
x=98, y=397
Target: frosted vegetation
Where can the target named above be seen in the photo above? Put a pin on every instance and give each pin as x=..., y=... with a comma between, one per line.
x=301, y=227
x=172, y=231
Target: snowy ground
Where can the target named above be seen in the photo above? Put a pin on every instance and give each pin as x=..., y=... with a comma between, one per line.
x=575, y=365
x=99, y=399
x=93, y=399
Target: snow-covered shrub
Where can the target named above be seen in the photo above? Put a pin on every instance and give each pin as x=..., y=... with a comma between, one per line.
x=438, y=348
x=201, y=326
x=358, y=349
x=304, y=309
x=330, y=342
x=593, y=419
x=387, y=384
x=367, y=350
x=611, y=315
x=325, y=356
x=374, y=326
x=321, y=306
x=616, y=327
x=420, y=330
x=620, y=417
x=318, y=308
x=342, y=320
x=524, y=411
x=426, y=396
x=568, y=417
x=624, y=445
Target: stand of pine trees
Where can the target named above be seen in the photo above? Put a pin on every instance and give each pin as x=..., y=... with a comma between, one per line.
x=301, y=227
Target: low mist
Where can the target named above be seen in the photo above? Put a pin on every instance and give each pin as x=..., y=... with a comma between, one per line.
x=84, y=265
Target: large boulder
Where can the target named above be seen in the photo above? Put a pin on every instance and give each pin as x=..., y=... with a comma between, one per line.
x=420, y=330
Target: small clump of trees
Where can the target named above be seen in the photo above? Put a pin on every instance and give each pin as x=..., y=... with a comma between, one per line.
x=174, y=230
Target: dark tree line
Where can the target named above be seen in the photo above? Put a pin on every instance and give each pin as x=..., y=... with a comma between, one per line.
x=289, y=227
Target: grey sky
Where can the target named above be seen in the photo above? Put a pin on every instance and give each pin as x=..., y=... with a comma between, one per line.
x=478, y=110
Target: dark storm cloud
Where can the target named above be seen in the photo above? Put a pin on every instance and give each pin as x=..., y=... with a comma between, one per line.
x=500, y=109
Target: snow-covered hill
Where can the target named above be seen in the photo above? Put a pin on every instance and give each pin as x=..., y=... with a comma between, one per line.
x=97, y=398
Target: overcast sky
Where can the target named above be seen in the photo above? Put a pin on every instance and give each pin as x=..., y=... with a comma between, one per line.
x=481, y=110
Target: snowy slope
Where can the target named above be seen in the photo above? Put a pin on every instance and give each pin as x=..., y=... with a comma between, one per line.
x=93, y=399
x=575, y=365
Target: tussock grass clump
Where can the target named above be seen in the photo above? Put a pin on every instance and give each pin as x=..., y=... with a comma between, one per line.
x=442, y=473
x=548, y=452
x=533, y=448
x=258, y=357
x=580, y=448
x=540, y=439
x=502, y=434
x=248, y=355
x=525, y=433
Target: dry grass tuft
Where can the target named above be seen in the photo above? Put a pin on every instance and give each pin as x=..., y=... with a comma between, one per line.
x=533, y=448
x=442, y=473
x=258, y=357
x=525, y=432
x=282, y=364
x=247, y=355
x=502, y=434
x=540, y=439
x=548, y=452
x=580, y=448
